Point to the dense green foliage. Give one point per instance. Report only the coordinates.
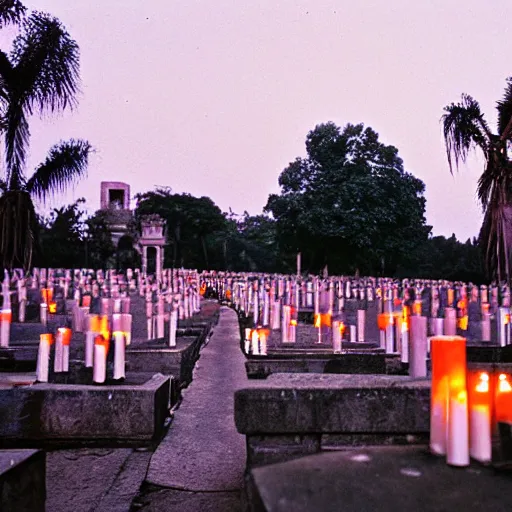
(349, 205)
(39, 75)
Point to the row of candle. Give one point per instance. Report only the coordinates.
(466, 405)
(97, 344)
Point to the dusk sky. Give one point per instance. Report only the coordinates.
(215, 98)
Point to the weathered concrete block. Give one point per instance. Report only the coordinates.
(156, 356)
(351, 363)
(377, 479)
(67, 414)
(22, 480)
(313, 403)
(291, 415)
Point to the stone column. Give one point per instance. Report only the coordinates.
(144, 260)
(158, 263)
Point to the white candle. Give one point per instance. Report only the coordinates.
(44, 313)
(390, 338)
(418, 347)
(57, 360)
(255, 349)
(43, 358)
(404, 353)
(285, 322)
(276, 315)
(99, 374)
(5, 327)
(247, 341)
(336, 336)
(480, 433)
(361, 316)
(263, 343)
(89, 348)
(119, 355)
(353, 338)
(438, 419)
(457, 443)
(173, 324)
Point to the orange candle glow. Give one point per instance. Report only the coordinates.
(384, 320)
(47, 295)
(417, 307)
(480, 410)
(65, 332)
(448, 354)
(94, 323)
(104, 326)
(503, 398)
(86, 301)
(6, 315)
(52, 307)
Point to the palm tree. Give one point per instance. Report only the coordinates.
(465, 128)
(39, 75)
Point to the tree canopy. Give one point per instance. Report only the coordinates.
(349, 204)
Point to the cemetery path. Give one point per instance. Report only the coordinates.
(202, 451)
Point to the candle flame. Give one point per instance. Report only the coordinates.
(483, 384)
(503, 384)
(293, 322)
(507, 319)
(342, 328)
(65, 333)
(317, 321)
(48, 337)
(6, 315)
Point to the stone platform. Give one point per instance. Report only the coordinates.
(260, 367)
(291, 415)
(22, 480)
(377, 479)
(131, 413)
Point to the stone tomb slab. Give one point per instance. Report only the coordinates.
(132, 413)
(377, 479)
(22, 480)
(291, 415)
(157, 356)
(350, 363)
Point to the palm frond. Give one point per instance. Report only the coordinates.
(65, 164)
(504, 107)
(11, 12)
(46, 64)
(18, 230)
(17, 135)
(464, 128)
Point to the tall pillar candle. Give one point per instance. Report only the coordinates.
(65, 334)
(417, 346)
(285, 323)
(5, 327)
(450, 322)
(361, 318)
(43, 357)
(173, 324)
(480, 446)
(119, 355)
(99, 372)
(59, 349)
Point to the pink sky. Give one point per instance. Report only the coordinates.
(216, 97)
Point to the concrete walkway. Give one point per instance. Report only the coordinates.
(202, 451)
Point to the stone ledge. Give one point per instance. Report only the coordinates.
(377, 479)
(351, 363)
(326, 403)
(46, 414)
(22, 480)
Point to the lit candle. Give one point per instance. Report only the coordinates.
(457, 449)
(503, 398)
(119, 355)
(89, 348)
(338, 329)
(247, 341)
(65, 334)
(263, 335)
(353, 337)
(5, 327)
(479, 416)
(99, 373)
(57, 360)
(438, 397)
(44, 313)
(43, 357)
(255, 342)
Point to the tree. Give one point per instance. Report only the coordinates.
(192, 225)
(62, 237)
(39, 75)
(99, 249)
(465, 128)
(349, 204)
